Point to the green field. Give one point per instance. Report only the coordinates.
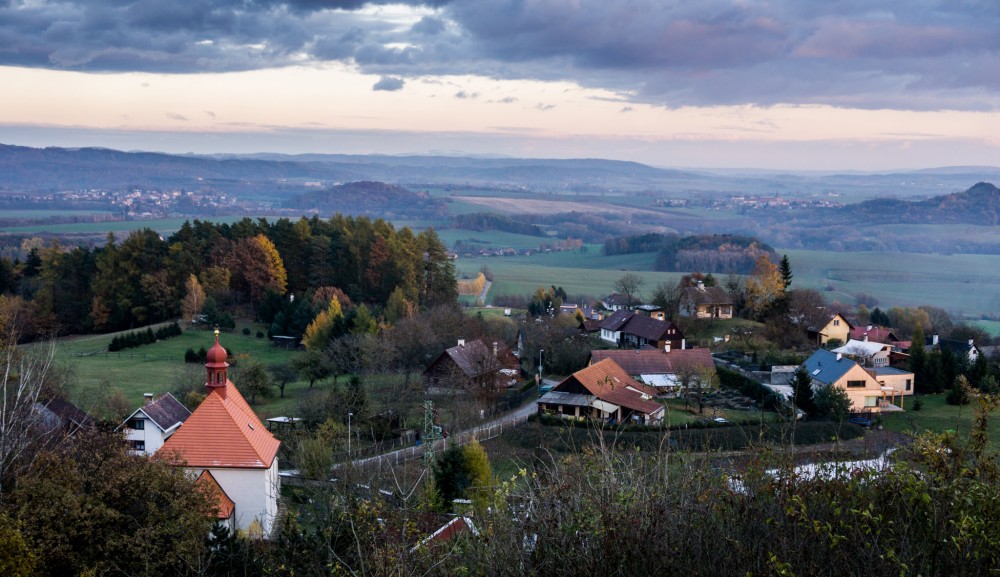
(966, 283)
(991, 327)
(578, 273)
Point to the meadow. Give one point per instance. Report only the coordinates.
(156, 368)
(965, 285)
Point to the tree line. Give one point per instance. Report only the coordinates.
(144, 277)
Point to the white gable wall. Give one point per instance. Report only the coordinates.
(254, 491)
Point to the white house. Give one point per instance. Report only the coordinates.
(224, 437)
(152, 424)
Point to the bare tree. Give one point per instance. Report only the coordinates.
(629, 285)
(695, 382)
(23, 429)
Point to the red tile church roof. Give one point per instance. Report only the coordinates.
(222, 432)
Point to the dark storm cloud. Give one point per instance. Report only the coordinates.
(918, 54)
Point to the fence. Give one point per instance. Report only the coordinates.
(481, 433)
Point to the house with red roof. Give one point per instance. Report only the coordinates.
(603, 391)
(224, 438)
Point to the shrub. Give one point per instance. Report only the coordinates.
(246, 331)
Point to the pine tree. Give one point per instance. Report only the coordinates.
(786, 272)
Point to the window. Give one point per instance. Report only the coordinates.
(137, 424)
(137, 445)
(871, 401)
(909, 383)
(855, 384)
(836, 322)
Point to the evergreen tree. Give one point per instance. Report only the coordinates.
(802, 385)
(786, 272)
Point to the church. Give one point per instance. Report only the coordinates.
(225, 439)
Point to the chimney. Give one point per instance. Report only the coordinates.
(666, 348)
(701, 285)
(970, 342)
(147, 398)
(496, 350)
(461, 342)
(866, 337)
(869, 328)
(839, 356)
(683, 344)
(934, 340)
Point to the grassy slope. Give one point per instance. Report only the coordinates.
(154, 368)
(938, 416)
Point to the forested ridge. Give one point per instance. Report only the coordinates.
(714, 253)
(142, 278)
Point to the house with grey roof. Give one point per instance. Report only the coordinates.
(863, 386)
(153, 423)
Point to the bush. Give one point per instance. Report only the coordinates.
(190, 356)
(918, 404)
(246, 331)
(260, 335)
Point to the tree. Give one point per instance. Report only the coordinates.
(477, 464)
(282, 374)
(252, 378)
(832, 403)
(802, 387)
(23, 432)
(93, 508)
(194, 298)
(321, 329)
(312, 366)
(451, 475)
(628, 286)
(668, 296)
(959, 393)
(695, 382)
(763, 287)
(786, 273)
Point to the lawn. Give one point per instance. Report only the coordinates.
(937, 416)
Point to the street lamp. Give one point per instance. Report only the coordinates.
(349, 415)
(540, 351)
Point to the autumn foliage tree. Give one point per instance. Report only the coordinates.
(763, 287)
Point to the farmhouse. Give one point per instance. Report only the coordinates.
(474, 365)
(702, 302)
(224, 438)
(602, 391)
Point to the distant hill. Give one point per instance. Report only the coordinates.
(366, 197)
(26, 169)
(979, 205)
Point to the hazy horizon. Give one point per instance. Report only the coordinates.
(876, 86)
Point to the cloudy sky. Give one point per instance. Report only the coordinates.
(790, 84)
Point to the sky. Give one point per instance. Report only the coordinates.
(783, 84)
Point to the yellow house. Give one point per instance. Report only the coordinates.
(836, 327)
(863, 386)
